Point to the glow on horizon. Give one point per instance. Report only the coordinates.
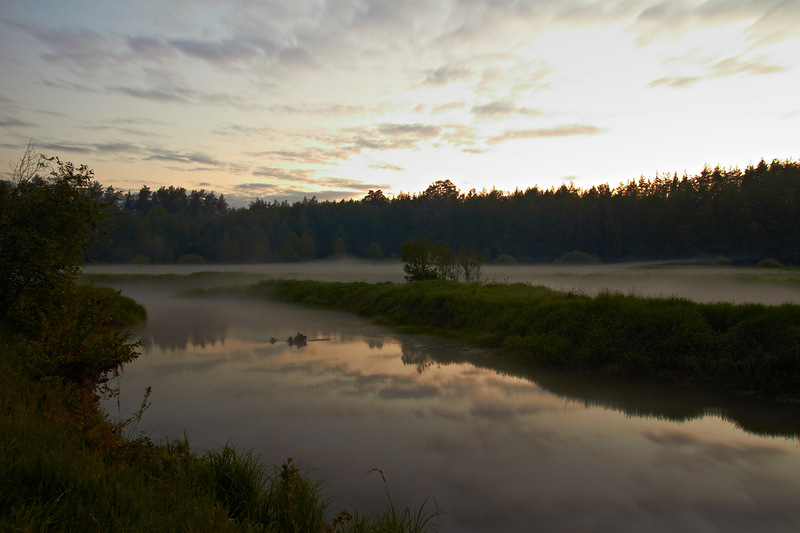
(284, 100)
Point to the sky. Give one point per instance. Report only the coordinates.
(285, 100)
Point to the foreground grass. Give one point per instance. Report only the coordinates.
(64, 466)
(749, 348)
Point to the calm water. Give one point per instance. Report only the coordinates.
(500, 447)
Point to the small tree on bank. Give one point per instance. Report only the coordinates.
(417, 257)
(424, 260)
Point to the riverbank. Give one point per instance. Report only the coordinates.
(745, 348)
(67, 466)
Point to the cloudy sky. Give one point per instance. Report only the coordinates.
(285, 99)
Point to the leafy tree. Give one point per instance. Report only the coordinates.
(441, 190)
(418, 260)
(375, 198)
(425, 260)
(374, 251)
(443, 261)
(470, 261)
(49, 212)
(47, 217)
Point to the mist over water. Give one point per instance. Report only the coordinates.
(701, 284)
(501, 446)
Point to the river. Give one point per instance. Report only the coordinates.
(501, 447)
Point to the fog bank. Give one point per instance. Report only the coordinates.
(698, 283)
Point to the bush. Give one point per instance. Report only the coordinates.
(505, 259)
(191, 259)
(769, 263)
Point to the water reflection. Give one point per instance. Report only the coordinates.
(501, 446)
(631, 397)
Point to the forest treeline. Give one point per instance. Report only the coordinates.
(742, 215)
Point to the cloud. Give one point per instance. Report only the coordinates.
(261, 187)
(558, 131)
(118, 147)
(295, 175)
(56, 147)
(770, 20)
(72, 86)
(309, 155)
(408, 391)
(446, 75)
(319, 109)
(443, 108)
(676, 81)
(224, 52)
(385, 166)
(155, 94)
(79, 49)
(419, 131)
(474, 150)
(10, 122)
(492, 109)
(355, 185)
(149, 48)
(232, 129)
(729, 66)
(502, 108)
(195, 157)
(125, 125)
(175, 93)
(247, 192)
(733, 65)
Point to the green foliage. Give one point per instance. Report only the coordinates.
(469, 262)
(63, 465)
(191, 259)
(418, 260)
(751, 347)
(505, 259)
(48, 215)
(46, 222)
(423, 260)
(742, 214)
(769, 263)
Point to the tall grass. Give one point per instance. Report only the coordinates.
(750, 348)
(64, 466)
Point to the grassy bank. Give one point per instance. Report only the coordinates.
(748, 348)
(65, 466)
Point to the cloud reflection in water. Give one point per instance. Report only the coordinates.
(500, 446)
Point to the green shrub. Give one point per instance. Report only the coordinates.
(191, 259)
(769, 263)
(505, 259)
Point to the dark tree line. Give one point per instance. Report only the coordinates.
(744, 215)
